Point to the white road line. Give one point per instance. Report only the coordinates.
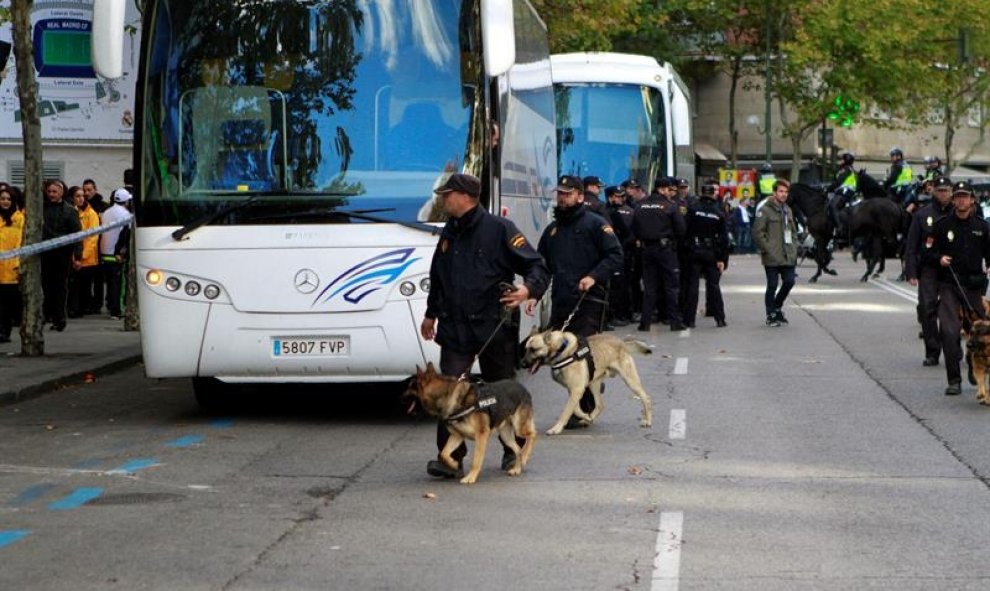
(897, 290)
(685, 333)
(680, 366)
(678, 423)
(667, 559)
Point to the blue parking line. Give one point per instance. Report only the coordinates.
(32, 494)
(186, 441)
(12, 535)
(76, 499)
(135, 465)
(222, 423)
(88, 463)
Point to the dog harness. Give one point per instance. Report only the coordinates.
(484, 403)
(583, 352)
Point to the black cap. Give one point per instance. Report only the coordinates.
(630, 183)
(942, 181)
(591, 180)
(569, 183)
(666, 181)
(683, 183)
(613, 190)
(464, 183)
(962, 187)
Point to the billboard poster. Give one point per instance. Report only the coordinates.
(74, 103)
(737, 184)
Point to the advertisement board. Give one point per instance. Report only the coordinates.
(737, 184)
(74, 103)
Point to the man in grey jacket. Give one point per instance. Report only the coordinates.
(775, 236)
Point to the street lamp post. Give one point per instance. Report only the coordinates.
(767, 123)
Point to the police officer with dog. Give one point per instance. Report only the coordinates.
(657, 226)
(922, 270)
(961, 249)
(472, 300)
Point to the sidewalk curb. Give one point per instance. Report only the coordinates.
(73, 379)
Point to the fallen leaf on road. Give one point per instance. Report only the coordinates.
(430, 496)
(635, 470)
(49, 427)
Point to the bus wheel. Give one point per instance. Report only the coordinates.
(212, 394)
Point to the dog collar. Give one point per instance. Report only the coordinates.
(563, 347)
(583, 352)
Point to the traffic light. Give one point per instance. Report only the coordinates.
(844, 110)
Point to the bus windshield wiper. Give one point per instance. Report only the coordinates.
(360, 214)
(213, 217)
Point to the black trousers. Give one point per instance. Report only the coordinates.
(928, 310)
(81, 297)
(10, 301)
(660, 266)
(113, 274)
(498, 362)
(619, 300)
(951, 302)
(773, 299)
(55, 267)
(714, 304)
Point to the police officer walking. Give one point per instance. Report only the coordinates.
(592, 195)
(657, 226)
(707, 241)
(922, 269)
(478, 253)
(962, 249)
(582, 252)
(620, 298)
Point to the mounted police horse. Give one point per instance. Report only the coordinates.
(875, 224)
(811, 203)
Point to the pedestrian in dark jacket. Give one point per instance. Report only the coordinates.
(775, 236)
(472, 296)
(60, 219)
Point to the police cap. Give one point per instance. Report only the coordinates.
(568, 183)
(463, 183)
(630, 184)
(613, 190)
(666, 181)
(962, 188)
(591, 180)
(942, 181)
(683, 183)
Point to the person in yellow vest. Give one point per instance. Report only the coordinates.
(900, 178)
(843, 188)
(11, 234)
(767, 179)
(86, 266)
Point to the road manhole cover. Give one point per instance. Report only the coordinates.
(136, 499)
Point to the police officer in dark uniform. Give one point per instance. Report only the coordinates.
(657, 226)
(684, 199)
(592, 195)
(582, 252)
(707, 244)
(620, 298)
(962, 248)
(635, 195)
(920, 268)
(477, 255)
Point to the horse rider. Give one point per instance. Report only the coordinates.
(920, 268)
(933, 168)
(900, 178)
(767, 179)
(843, 188)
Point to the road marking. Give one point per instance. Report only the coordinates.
(76, 499)
(685, 333)
(222, 423)
(32, 494)
(680, 366)
(678, 423)
(10, 536)
(186, 441)
(667, 557)
(134, 465)
(897, 290)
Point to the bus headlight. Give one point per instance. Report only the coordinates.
(173, 284)
(154, 277)
(192, 288)
(407, 288)
(424, 284)
(211, 292)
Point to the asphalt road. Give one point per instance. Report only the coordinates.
(819, 455)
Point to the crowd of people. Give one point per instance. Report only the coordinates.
(77, 279)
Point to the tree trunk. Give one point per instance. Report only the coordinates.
(733, 132)
(950, 132)
(32, 325)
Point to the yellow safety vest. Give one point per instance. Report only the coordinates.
(850, 182)
(906, 177)
(766, 183)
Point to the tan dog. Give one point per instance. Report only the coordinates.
(609, 355)
(977, 339)
(474, 412)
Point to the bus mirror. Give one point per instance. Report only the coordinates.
(108, 38)
(499, 37)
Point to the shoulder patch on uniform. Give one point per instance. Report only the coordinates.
(608, 229)
(518, 241)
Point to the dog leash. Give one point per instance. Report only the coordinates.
(477, 356)
(574, 311)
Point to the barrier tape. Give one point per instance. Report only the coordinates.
(53, 243)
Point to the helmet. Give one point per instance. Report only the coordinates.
(928, 159)
(848, 158)
(767, 167)
(895, 151)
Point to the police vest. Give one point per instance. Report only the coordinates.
(906, 177)
(851, 182)
(766, 183)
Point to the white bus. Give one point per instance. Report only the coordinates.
(287, 153)
(622, 116)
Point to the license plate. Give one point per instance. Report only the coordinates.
(336, 346)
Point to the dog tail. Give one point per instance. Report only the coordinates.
(636, 346)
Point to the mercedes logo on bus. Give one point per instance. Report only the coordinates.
(306, 281)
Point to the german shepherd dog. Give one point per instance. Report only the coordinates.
(977, 335)
(474, 412)
(608, 355)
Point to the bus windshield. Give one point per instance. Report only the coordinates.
(303, 104)
(613, 131)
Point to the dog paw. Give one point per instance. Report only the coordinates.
(555, 430)
(515, 471)
(645, 423)
(469, 479)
